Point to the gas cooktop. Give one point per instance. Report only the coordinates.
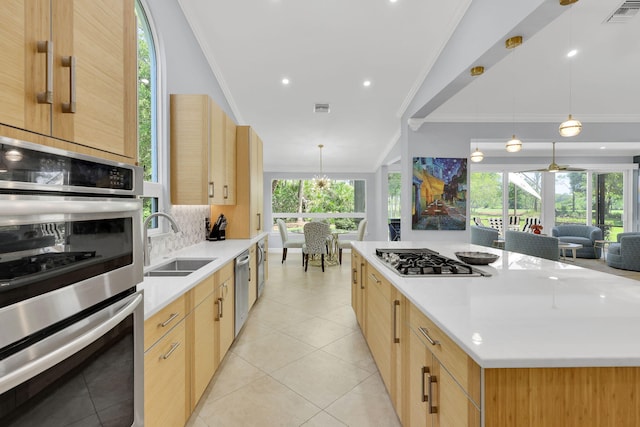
(426, 262)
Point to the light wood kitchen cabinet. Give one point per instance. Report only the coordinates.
(225, 309)
(358, 272)
(203, 359)
(253, 275)
(246, 219)
(203, 152)
(165, 380)
(443, 383)
(69, 72)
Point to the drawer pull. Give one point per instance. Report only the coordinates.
(373, 276)
(220, 309)
(173, 348)
(424, 332)
(46, 97)
(169, 320)
(396, 339)
(431, 379)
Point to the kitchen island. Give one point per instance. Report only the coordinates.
(542, 343)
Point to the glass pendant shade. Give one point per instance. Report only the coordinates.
(321, 181)
(570, 127)
(477, 156)
(514, 145)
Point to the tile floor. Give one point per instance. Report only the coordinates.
(300, 359)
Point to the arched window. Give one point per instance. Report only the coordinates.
(148, 142)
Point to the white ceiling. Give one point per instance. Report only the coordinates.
(328, 48)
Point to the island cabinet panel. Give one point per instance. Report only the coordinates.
(563, 397)
(225, 309)
(203, 359)
(69, 73)
(435, 396)
(358, 287)
(203, 152)
(165, 380)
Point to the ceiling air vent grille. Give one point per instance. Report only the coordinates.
(321, 108)
(625, 12)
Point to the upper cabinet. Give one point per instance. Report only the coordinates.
(246, 219)
(69, 71)
(203, 152)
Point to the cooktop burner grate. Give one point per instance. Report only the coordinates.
(425, 262)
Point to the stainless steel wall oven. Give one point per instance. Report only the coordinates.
(71, 345)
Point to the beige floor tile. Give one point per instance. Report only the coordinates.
(263, 403)
(276, 314)
(323, 420)
(353, 349)
(232, 375)
(320, 377)
(367, 405)
(196, 421)
(272, 351)
(253, 329)
(343, 315)
(317, 332)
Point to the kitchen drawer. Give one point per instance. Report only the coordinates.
(203, 290)
(463, 369)
(225, 273)
(162, 322)
(375, 280)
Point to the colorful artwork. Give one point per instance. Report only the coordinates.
(439, 193)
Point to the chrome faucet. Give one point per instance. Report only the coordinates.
(146, 241)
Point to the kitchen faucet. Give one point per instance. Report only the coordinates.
(146, 241)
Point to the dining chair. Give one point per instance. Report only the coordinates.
(315, 242)
(288, 242)
(342, 244)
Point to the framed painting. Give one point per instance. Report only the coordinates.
(439, 190)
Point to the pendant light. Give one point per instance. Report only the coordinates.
(477, 156)
(570, 127)
(514, 144)
(321, 181)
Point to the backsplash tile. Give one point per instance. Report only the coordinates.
(190, 219)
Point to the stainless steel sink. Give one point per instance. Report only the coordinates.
(179, 267)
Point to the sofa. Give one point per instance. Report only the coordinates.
(585, 235)
(625, 254)
(484, 236)
(532, 244)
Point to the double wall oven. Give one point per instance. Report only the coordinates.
(71, 339)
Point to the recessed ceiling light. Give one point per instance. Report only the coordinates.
(603, 148)
(572, 53)
(285, 81)
(393, 1)
(366, 83)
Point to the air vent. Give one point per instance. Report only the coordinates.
(321, 108)
(625, 12)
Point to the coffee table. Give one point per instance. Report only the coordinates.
(573, 247)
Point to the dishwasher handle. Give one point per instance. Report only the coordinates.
(242, 261)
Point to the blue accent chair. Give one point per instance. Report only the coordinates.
(484, 236)
(532, 244)
(625, 254)
(585, 235)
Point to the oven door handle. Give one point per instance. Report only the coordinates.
(66, 349)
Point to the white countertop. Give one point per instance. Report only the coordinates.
(160, 291)
(531, 312)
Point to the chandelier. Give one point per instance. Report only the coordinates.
(321, 181)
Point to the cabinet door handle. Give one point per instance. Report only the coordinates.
(225, 191)
(220, 310)
(354, 276)
(396, 303)
(259, 221)
(424, 332)
(173, 348)
(211, 189)
(361, 278)
(46, 97)
(171, 318)
(70, 62)
(424, 371)
(431, 379)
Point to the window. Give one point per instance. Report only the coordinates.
(147, 118)
(342, 203)
(571, 197)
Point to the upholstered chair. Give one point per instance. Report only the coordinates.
(585, 235)
(342, 244)
(484, 236)
(293, 242)
(315, 241)
(625, 254)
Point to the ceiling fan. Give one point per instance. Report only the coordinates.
(554, 167)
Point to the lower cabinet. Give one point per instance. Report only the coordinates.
(358, 280)
(184, 345)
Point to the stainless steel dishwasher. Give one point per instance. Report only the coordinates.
(242, 289)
